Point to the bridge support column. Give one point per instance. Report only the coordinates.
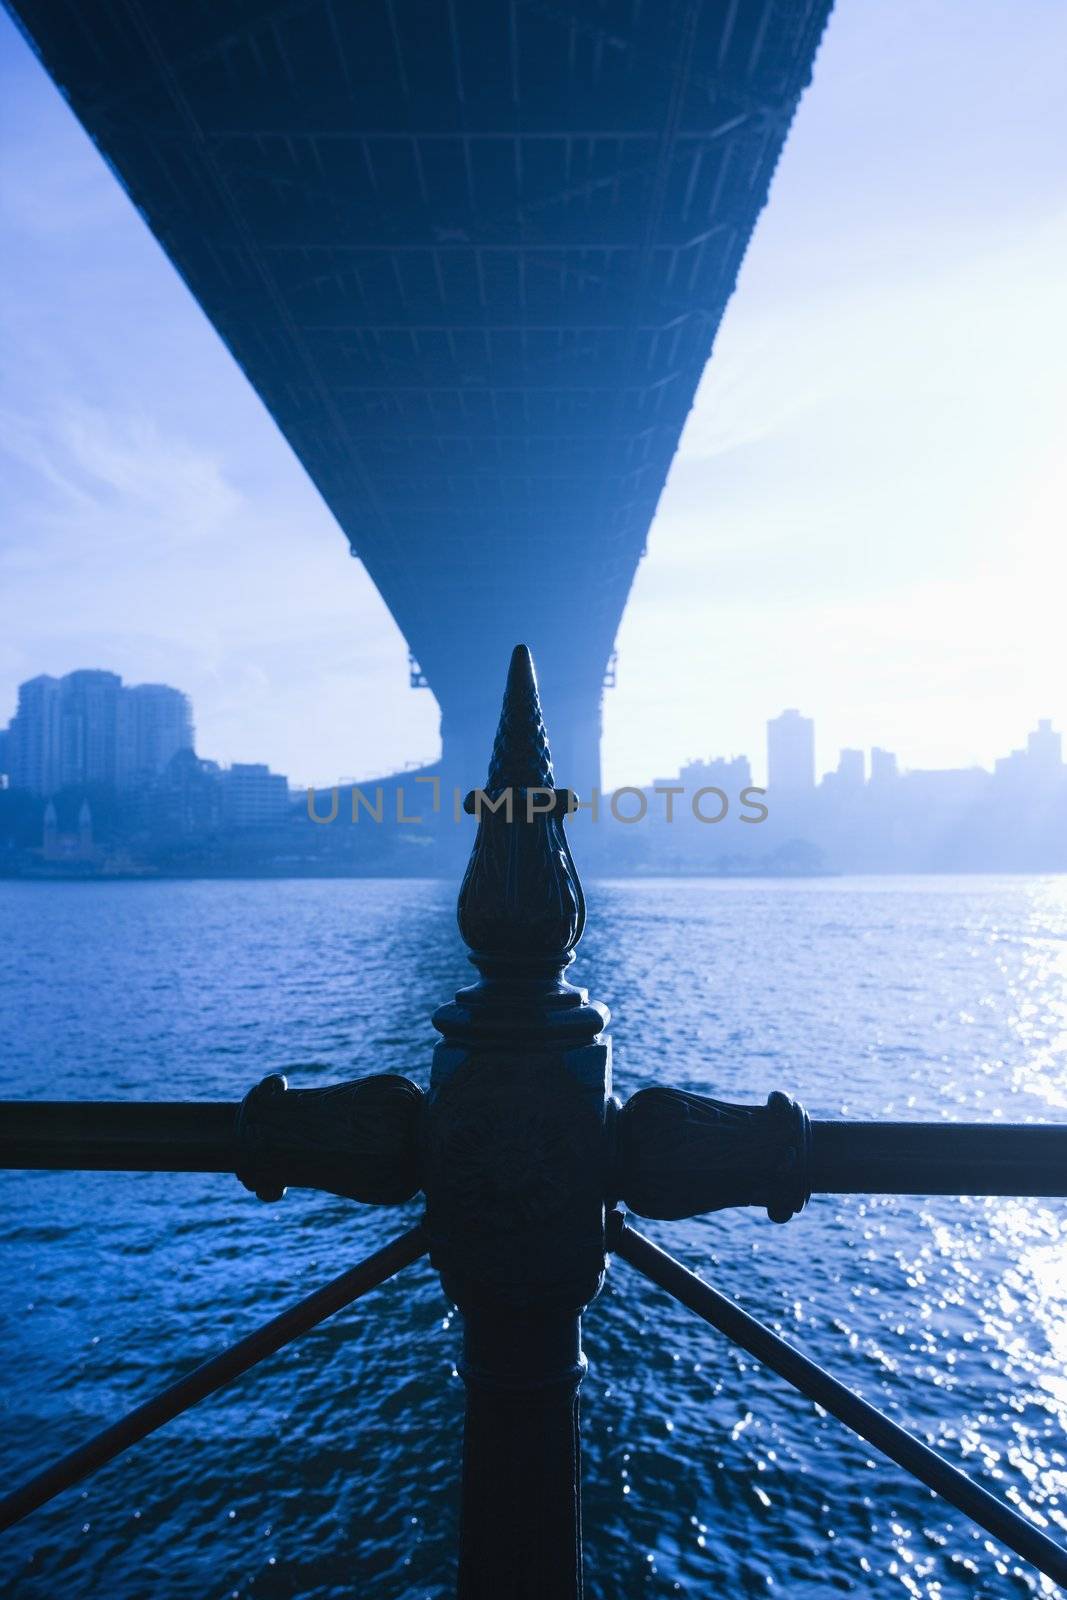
(467, 732)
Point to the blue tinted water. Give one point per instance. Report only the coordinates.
(332, 1468)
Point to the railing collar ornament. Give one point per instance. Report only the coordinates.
(680, 1154)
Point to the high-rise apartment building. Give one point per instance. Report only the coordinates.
(851, 771)
(34, 737)
(155, 722)
(790, 754)
(1044, 748)
(883, 765)
(88, 728)
(1041, 760)
(88, 722)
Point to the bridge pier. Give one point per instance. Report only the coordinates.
(468, 725)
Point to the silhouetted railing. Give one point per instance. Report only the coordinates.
(521, 1152)
(979, 1158)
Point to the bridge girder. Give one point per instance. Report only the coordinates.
(472, 254)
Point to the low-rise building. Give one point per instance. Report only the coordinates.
(253, 796)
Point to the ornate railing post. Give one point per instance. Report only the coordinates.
(516, 1155)
(514, 1171)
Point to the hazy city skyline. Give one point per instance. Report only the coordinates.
(89, 727)
(104, 780)
(864, 518)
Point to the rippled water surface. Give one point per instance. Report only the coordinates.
(332, 1468)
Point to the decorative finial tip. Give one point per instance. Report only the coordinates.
(521, 670)
(521, 757)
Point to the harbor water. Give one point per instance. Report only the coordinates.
(332, 1469)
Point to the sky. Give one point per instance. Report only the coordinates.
(866, 518)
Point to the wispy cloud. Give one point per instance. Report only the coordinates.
(116, 478)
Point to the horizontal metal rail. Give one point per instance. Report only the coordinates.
(212, 1375)
(1010, 1158)
(951, 1158)
(119, 1135)
(1006, 1525)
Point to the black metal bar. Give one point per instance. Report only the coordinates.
(1006, 1525)
(938, 1158)
(119, 1136)
(213, 1375)
(845, 1157)
(679, 1154)
(521, 1528)
(359, 1139)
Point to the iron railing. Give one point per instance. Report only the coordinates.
(523, 1157)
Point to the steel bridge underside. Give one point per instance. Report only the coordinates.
(472, 255)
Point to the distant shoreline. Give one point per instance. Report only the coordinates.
(598, 874)
(384, 876)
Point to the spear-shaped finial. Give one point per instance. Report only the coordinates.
(521, 758)
(521, 901)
